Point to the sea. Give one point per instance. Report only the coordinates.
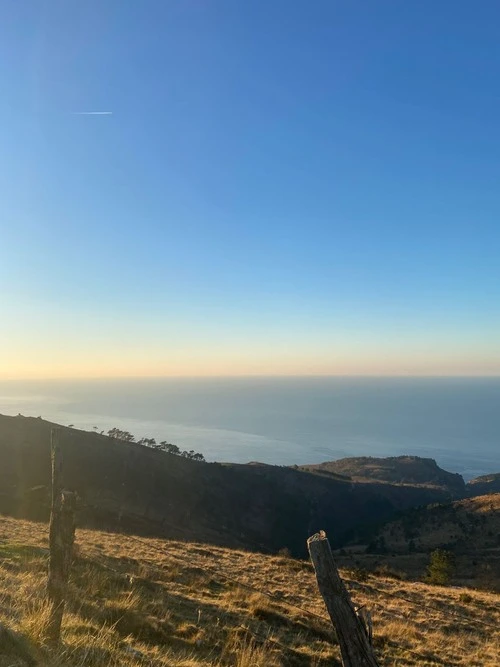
(287, 420)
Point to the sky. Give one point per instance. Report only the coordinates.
(279, 187)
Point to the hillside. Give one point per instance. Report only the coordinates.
(484, 484)
(140, 489)
(404, 470)
(138, 601)
(469, 528)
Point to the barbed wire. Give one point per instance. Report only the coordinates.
(354, 584)
(217, 574)
(236, 581)
(212, 571)
(462, 618)
(427, 606)
(258, 635)
(254, 633)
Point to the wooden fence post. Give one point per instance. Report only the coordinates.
(61, 538)
(352, 634)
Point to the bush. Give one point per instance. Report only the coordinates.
(440, 567)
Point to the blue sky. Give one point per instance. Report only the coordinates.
(281, 187)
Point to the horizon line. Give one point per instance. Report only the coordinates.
(282, 376)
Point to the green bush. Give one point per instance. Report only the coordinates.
(440, 567)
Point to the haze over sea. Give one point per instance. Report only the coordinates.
(285, 420)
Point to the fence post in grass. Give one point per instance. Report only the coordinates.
(355, 644)
(61, 538)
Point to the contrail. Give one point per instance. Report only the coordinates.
(93, 113)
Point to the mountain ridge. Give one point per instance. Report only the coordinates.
(156, 493)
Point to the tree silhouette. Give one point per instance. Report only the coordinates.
(162, 446)
(118, 434)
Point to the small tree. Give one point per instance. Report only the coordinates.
(440, 567)
(191, 454)
(169, 447)
(147, 442)
(118, 434)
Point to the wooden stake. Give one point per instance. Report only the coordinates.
(61, 538)
(355, 646)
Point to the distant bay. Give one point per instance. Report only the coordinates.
(285, 420)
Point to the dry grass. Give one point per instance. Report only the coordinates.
(157, 603)
(472, 519)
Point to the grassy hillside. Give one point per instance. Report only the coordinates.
(484, 484)
(148, 491)
(404, 470)
(138, 602)
(469, 528)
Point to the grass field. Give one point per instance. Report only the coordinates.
(153, 602)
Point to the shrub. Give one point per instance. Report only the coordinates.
(440, 567)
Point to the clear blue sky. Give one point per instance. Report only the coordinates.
(281, 187)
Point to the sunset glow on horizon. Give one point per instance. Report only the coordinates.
(361, 359)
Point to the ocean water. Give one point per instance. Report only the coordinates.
(285, 420)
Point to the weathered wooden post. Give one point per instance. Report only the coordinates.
(61, 538)
(352, 634)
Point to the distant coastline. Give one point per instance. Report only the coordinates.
(286, 421)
